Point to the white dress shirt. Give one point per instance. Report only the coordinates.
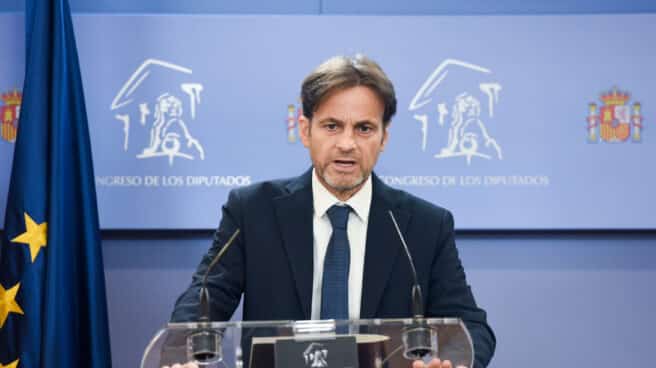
(357, 236)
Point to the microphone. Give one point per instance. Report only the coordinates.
(417, 299)
(418, 337)
(204, 345)
(204, 302)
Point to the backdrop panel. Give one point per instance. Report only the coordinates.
(512, 122)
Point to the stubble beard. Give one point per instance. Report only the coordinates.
(345, 190)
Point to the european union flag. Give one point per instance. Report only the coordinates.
(53, 310)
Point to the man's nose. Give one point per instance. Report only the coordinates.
(346, 140)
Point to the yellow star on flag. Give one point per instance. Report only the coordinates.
(35, 235)
(13, 364)
(8, 304)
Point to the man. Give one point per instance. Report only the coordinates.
(323, 245)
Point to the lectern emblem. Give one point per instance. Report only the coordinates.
(316, 356)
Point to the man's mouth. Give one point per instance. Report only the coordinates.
(344, 164)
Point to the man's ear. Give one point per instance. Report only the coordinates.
(385, 138)
(304, 130)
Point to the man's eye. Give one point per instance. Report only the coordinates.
(331, 126)
(365, 129)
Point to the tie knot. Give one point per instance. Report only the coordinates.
(338, 216)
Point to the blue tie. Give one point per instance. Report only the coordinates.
(334, 289)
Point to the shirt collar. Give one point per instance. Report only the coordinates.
(360, 202)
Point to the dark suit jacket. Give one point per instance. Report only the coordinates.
(272, 260)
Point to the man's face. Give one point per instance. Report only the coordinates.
(345, 137)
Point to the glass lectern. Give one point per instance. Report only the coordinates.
(371, 343)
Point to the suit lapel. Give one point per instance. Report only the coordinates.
(383, 246)
(294, 213)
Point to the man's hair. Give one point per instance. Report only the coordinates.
(341, 72)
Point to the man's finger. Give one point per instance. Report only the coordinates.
(447, 364)
(435, 363)
(417, 364)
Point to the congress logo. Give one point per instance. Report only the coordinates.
(10, 112)
(463, 96)
(616, 120)
(158, 104)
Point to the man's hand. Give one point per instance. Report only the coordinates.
(186, 365)
(435, 363)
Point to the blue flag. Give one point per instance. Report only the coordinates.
(53, 310)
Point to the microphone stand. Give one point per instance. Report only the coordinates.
(204, 344)
(418, 337)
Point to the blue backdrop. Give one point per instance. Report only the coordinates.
(512, 122)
